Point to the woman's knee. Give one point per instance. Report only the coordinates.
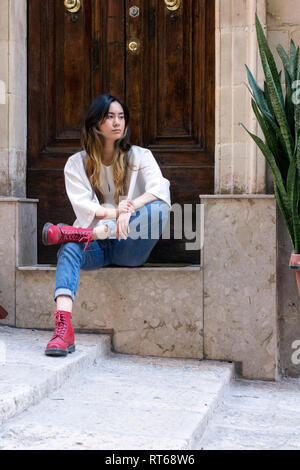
(70, 250)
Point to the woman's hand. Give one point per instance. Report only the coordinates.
(126, 206)
(122, 225)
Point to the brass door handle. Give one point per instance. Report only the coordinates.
(72, 6)
(173, 4)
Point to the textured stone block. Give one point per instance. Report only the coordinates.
(152, 311)
(4, 20)
(17, 245)
(8, 260)
(282, 12)
(239, 256)
(27, 234)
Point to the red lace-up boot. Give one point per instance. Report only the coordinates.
(54, 234)
(62, 341)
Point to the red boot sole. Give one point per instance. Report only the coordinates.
(45, 233)
(60, 352)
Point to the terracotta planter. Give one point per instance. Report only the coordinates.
(295, 264)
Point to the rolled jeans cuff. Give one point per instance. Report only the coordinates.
(63, 291)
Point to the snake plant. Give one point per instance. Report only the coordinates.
(277, 110)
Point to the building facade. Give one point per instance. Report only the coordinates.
(240, 304)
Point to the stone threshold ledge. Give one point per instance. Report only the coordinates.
(52, 267)
(17, 199)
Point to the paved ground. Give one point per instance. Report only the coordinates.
(103, 400)
(97, 399)
(256, 415)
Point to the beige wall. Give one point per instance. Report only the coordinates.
(283, 20)
(13, 83)
(239, 166)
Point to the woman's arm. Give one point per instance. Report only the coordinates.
(143, 199)
(156, 187)
(122, 229)
(125, 206)
(106, 213)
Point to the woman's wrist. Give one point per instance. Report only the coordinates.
(106, 213)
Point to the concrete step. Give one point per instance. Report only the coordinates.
(27, 375)
(119, 402)
(256, 415)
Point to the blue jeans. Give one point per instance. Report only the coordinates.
(149, 221)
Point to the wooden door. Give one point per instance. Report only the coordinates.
(159, 61)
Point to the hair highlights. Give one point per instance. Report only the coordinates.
(92, 142)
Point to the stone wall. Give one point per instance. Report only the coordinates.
(13, 97)
(239, 166)
(239, 278)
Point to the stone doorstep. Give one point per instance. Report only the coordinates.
(27, 375)
(148, 266)
(152, 311)
(173, 414)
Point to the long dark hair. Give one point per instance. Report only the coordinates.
(92, 142)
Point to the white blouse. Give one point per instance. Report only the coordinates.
(84, 201)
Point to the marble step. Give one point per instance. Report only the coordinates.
(256, 415)
(27, 375)
(119, 402)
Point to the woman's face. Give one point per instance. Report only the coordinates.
(113, 126)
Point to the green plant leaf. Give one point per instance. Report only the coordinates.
(270, 137)
(266, 54)
(293, 199)
(289, 105)
(297, 154)
(268, 100)
(279, 110)
(285, 213)
(296, 64)
(293, 58)
(285, 60)
(271, 161)
(296, 102)
(257, 92)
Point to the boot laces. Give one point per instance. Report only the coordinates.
(61, 325)
(87, 239)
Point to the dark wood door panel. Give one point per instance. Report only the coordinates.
(168, 84)
(67, 69)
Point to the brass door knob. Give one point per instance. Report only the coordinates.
(72, 6)
(173, 4)
(133, 46)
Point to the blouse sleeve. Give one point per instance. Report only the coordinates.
(153, 179)
(80, 194)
